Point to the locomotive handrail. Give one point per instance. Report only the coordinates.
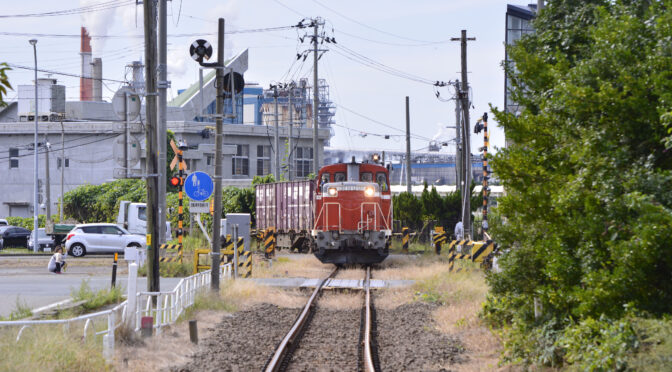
(375, 215)
(326, 217)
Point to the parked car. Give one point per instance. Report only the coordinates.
(44, 240)
(100, 237)
(3, 222)
(13, 236)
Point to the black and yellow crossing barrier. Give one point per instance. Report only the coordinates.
(171, 247)
(439, 238)
(270, 241)
(478, 252)
(405, 236)
(245, 264)
(197, 264)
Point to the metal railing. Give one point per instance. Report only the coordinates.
(169, 306)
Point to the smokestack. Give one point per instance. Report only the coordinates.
(97, 79)
(85, 82)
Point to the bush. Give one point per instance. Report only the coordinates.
(96, 300)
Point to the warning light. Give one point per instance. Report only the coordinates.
(175, 181)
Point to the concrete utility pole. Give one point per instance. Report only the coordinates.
(219, 123)
(47, 183)
(162, 126)
(316, 100)
(290, 106)
(36, 198)
(60, 216)
(152, 159)
(466, 142)
(408, 147)
(276, 169)
(458, 139)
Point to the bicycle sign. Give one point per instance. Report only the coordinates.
(198, 186)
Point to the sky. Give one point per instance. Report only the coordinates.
(408, 36)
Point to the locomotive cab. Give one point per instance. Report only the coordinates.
(353, 214)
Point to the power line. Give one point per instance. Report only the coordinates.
(375, 29)
(380, 123)
(63, 148)
(77, 36)
(60, 73)
(81, 10)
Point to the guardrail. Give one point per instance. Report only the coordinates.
(169, 306)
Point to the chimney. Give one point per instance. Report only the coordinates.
(85, 82)
(97, 79)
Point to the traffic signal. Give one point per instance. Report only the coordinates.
(175, 181)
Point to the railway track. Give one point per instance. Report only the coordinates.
(367, 356)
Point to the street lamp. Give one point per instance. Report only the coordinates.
(36, 246)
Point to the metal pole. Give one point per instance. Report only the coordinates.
(33, 42)
(277, 136)
(162, 124)
(60, 217)
(408, 147)
(289, 140)
(216, 220)
(126, 134)
(152, 161)
(316, 101)
(47, 183)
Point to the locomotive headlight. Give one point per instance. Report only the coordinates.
(332, 191)
(369, 191)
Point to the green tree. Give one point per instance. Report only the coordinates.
(586, 221)
(4, 83)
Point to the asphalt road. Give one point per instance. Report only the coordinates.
(27, 280)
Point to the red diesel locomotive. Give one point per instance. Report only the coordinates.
(353, 214)
(344, 216)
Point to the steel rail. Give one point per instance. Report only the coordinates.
(276, 362)
(368, 357)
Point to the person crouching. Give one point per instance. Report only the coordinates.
(56, 263)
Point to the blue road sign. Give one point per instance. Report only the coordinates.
(198, 186)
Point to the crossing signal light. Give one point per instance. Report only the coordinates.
(175, 181)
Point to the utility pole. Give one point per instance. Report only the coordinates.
(152, 162)
(47, 184)
(289, 140)
(466, 146)
(316, 100)
(277, 136)
(458, 139)
(219, 123)
(60, 216)
(162, 125)
(36, 199)
(408, 147)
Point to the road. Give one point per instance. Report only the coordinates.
(27, 280)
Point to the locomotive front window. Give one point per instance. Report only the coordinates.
(366, 177)
(325, 178)
(339, 177)
(381, 179)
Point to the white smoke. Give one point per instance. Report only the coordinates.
(97, 23)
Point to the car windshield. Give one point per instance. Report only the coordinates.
(142, 213)
(3, 228)
(41, 233)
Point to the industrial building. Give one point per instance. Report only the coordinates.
(84, 140)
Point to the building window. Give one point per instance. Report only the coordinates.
(304, 161)
(59, 162)
(263, 160)
(13, 157)
(209, 159)
(240, 163)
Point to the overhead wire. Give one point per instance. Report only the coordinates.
(106, 5)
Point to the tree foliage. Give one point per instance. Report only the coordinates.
(4, 83)
(587, 222)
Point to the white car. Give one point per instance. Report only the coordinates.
(101, 238)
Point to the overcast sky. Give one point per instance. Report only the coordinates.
(409, 36)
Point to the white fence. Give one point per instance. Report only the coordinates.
(169, 306)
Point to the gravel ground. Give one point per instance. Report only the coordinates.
(407, 340)
(330, 343)
(243, 342)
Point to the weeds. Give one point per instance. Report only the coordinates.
(95, 300)
(21, 311)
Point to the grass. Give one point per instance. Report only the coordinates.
(50, 348)
(21, 311)
(96, 300)
(17, 250)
